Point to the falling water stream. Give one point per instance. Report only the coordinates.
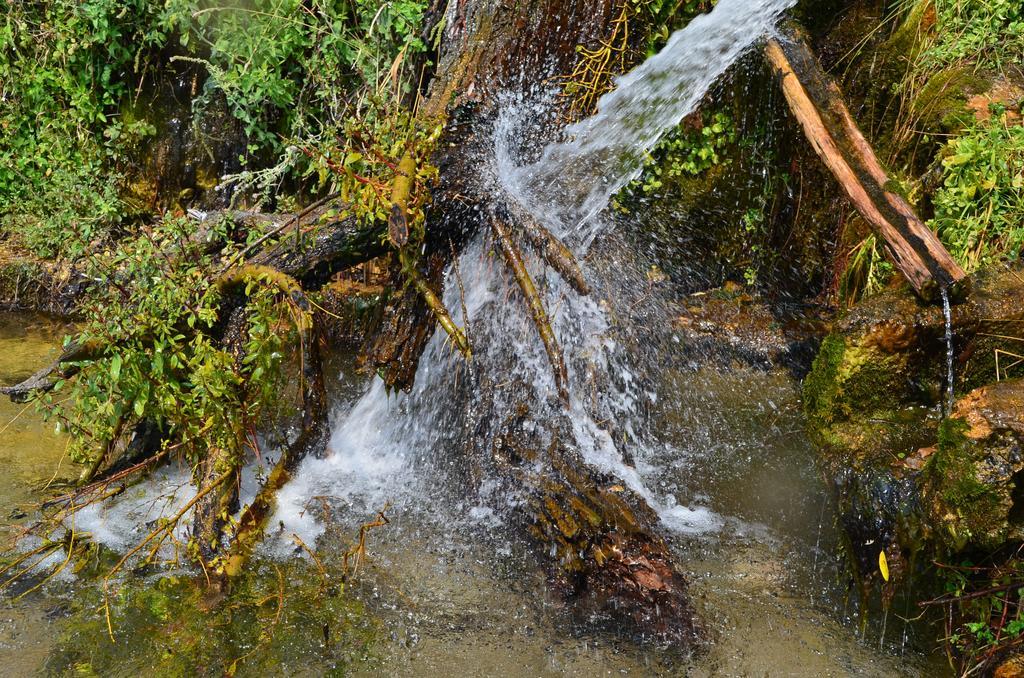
(567, 188)
(574, 179)
(719, 454)
(947, 314)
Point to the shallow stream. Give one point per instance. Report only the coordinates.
(453, 591)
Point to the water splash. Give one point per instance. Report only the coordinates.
(389, 449)
(947, 314)
(574, 180)
(405, 449)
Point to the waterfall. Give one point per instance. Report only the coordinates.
(574, 179)
(384, 447)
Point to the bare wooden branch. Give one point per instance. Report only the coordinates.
(818, 104)
(555, 254)
(436, 306)
(536, 305)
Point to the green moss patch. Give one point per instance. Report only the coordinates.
(966, 510)
(281, 620)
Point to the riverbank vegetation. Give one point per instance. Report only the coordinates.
(952, 82)
(83, 96)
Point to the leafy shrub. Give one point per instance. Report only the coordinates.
(64, 66)
(73, 206)
(979, 211)
(989, 33)
(158, 291)
(287, 68)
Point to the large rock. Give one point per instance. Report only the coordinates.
(905, 478)
(973, 485)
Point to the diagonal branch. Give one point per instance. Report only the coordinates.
(536, 306)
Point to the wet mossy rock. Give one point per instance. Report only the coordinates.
(903, 476)
(888, 353)
(973, 485)
(878, 361)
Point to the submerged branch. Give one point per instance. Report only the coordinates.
(45, 380)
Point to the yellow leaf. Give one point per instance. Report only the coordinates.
(883, 565)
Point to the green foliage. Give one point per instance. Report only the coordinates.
(666, 16)
(64, 67)
(686, 152)
(867, 271)
(364, 166)
(73, 206)
(156, 294)
(287, 67)
(989, 33)
(71, 69)
(985, 615)
(979, 211)
(753, 227)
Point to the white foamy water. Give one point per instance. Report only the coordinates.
(397, 449)
(384, 450)
(574, 180)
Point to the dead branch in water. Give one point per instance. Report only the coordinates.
(437, 307)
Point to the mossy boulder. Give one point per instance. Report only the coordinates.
(974, 482)
(941, 105)
(879, 361)
(888, 354)
(904, 477)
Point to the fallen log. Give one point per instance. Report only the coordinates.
(817, 104)
(601, 553)
(334, 245)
